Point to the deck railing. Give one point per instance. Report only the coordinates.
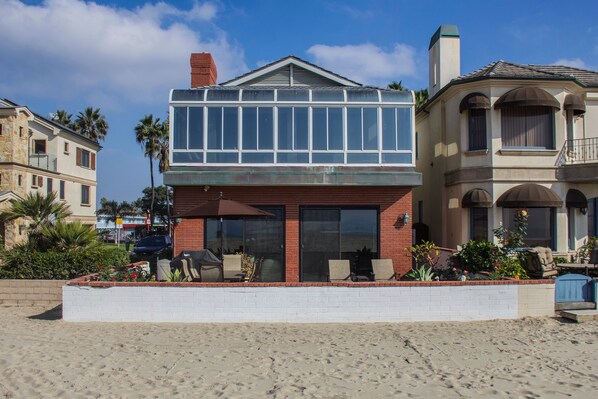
(578, 151)
(43, 161)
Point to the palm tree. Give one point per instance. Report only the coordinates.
(92, 124)
(163, 151)
(397, 85)
(113, 210)
(147, 133)
(64, 118)
(421, 96)
(66, 236)
(41, 211)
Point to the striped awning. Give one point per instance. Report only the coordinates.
(474, 101)
(477, 198)
(529, 195)
(575, 103)
(527, 97)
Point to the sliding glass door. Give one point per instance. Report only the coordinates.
(337, 233)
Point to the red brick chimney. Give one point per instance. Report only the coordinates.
(203, 70)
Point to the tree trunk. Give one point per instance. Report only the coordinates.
(153, 193)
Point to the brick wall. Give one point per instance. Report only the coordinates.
(203, 70)
(392, 202)
(31, 292)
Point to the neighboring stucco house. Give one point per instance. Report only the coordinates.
(37, 154)
(332, 159)
(506, 137)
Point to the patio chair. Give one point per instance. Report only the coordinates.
(211, 274)
(384, 270)
(232, 267)
(340, 271)
(539, 263)
(189, 271)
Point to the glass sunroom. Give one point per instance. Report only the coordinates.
(291, 126)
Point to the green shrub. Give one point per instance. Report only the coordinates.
(479, 256)
(509, 267)
(59, 265)
(421, 274)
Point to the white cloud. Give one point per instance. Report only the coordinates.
(71, 49)
(572, 62)
(367, 63)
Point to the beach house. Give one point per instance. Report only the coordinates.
(506, 137)
(332, 159)
(39, 155)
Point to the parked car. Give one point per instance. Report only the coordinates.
(152, 248)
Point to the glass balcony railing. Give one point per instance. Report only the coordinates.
(43, 161)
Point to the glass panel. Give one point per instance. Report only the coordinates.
(258, 95)
(370, 128)
(227, 234)
(362, 96)
(320, 242)
(396, 96)
(187, 95)
(327, 158)
(293, 95)
(389, 129)
(264, 240)
(477, 129)
(223, 95)
(301, 129)
(250, 128)
(404, 126)
(222, 157)
(215, 128)
(359, 238)
(266, 128)
(292, 157)
(285, 128)
(195, 128)
(362, 158)
(335, 128)
(180, 128)
(403, 158)
(540, 225)
(231, 127)
(479, 224)
(187, 157)
(319, 129)
(327, 95)
(257, 157)
(354, 128)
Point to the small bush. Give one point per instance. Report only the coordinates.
(59, 265)
(479, 256)
(510, 267)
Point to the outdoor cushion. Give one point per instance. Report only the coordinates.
(383, 269)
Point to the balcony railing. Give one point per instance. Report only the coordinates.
(43, 161)
(578, 151)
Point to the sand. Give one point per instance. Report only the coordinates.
(43, 356)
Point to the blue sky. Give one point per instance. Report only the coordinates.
(124, 56)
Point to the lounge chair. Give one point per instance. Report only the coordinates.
(232, 267)
(211, 273)
(384, 270)
(539, 263)
(340, 271)
(189, 271)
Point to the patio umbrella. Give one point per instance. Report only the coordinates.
(223, 208)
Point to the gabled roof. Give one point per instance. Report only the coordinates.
(9, 195)
(288, 60)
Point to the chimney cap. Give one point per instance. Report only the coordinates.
(444, 31)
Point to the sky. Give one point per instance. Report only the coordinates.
(124, 56)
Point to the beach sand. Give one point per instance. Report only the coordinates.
(43, 356)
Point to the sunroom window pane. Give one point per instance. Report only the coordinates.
(187, 95)
(354, 128)
(214, 128)
(327, 95)
(222, 157)
(180, 128)
(362, 158)
(389, 129)
(301, 128)
(223, 95)
(258, 95)
(362, 95)
(290, 157)
(396, 158)
(396, 96)
(335, 128)
(195, 128)
(327, 157)
(231, 127)
(285, 128)
(250, 128)
(258, 157)
(319, 128)
(187, 157)
(370, 128)
(404, 125)
(266, 128)
(293, 95)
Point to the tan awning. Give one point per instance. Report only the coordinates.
(527, 97)
(575, 103)
(576, 199)
(474, 101)
(477, 198)
(529, 195)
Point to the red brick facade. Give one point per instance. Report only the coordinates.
(203, 70)
(393, 202)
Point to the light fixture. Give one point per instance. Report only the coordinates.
(206, 188)
(178, 220)
(405, 218)
(583, 210)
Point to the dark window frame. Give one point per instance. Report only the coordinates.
(549, 136)
(85, 195)
(478, 139)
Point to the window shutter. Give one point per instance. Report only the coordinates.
(79, 156)
(40, 181)
(93, 161)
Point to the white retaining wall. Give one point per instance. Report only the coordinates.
(328, 304)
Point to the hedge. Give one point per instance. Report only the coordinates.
(64, 265)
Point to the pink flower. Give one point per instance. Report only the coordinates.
(100, 267)
(454, 269)
(112, 279)
(465, 272)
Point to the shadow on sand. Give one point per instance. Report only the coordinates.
(51, 314)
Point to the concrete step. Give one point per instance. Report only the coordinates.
(580, 315)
